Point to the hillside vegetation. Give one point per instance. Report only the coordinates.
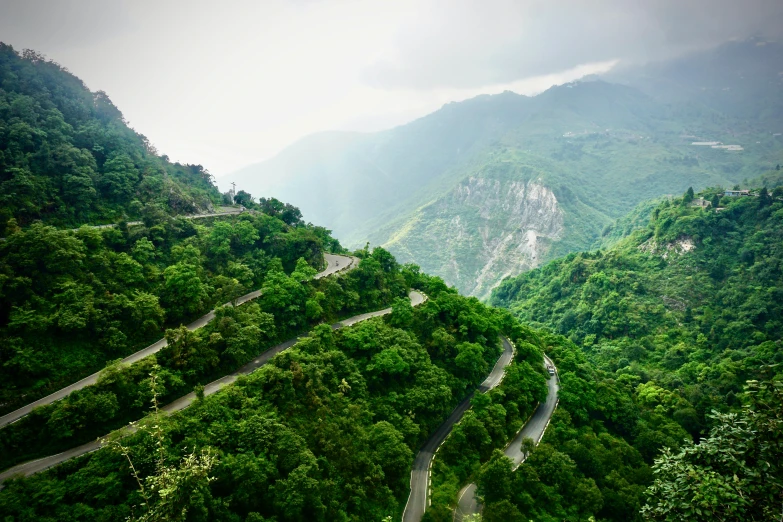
(326, 431)
(682, 320)
(71, 301)
(495, 185)
(67, 156)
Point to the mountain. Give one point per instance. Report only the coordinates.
(742, 79)
(496, 185)
(307, 397)
(67, 156)
(678, 332)
(95, 316)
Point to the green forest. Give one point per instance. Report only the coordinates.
(67, 156)
(326, 431)
(672, 404)
(666, 338)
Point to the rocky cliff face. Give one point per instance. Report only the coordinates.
(482, 231)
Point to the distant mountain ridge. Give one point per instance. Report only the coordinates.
(599, 147)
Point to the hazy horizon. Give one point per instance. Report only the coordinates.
(233, 85)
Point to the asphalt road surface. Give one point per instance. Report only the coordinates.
(226, 211)
(418, 500)
(29, 468)
(334, 263)
(534, 428)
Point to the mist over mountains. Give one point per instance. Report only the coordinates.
(595, 148)
(555, 307)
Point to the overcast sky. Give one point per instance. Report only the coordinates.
(227, 83)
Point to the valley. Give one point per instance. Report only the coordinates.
(557, 307)
(599, 147)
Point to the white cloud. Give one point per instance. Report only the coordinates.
(226, 84)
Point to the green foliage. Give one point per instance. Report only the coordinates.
(690, 303)
(582, 468)
(170, 493)
(235, 336)
(494, 418)
(68, 157)
(72, 300)
(325, 431)
(673, 320)
(733, 474)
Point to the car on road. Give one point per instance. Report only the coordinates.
(550, 369)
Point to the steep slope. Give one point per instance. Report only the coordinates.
(364, 176)
(73, 300)
(695, 289)
(600, 148)
(481, 229)
(67, 156)
(680, 337)
(325, 430)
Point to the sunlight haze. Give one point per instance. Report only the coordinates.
(229, 84)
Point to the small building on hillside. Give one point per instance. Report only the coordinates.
(736, 193)
(700, 202)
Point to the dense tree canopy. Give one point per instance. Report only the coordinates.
(68, 157)
(70, 301)
(326, 431)
(673, 321)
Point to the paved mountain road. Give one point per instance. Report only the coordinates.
(420, 473)
(227, 211)
(534, 428)
(334, 263)
(29, 468)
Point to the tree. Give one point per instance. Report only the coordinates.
(286, 297)
(402, 313)
(243, 198)
(495, 478)
(527, 447)
(119, 178)
(143, 250)
(288, 213)
(764, 197)
(470, 360)
(184, 292)
(170, 493)
(734, 474)
(503, 511)
(146, 312)
(688, 195)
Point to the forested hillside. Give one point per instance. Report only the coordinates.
(667, 339)
(67, 156)
(71, 301)
(326, 431)
(675, 319)
(496, 185)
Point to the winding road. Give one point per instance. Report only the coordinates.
(226, 211)
(422, 465)
(534, 428)
(334, 263)
(35, 466)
